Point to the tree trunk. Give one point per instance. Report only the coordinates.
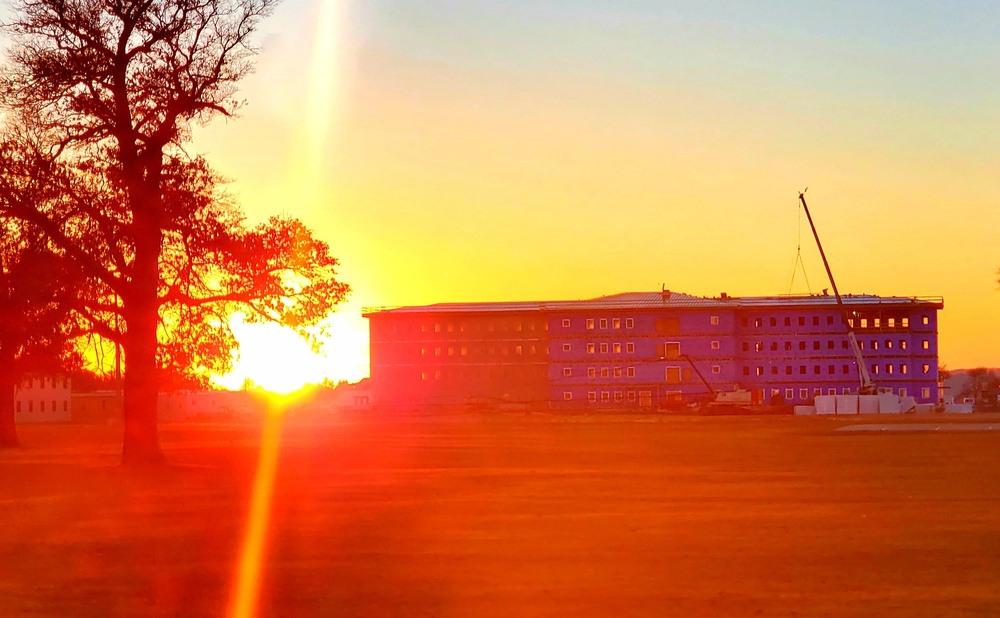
(141, 441)
(8, 429)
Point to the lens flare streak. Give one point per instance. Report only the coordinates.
(325, 77)
(246, 592)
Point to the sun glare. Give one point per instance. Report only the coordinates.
(273, 357)
(276, 359)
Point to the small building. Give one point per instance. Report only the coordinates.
(348, 396)
(97, 407)
(43, 399)
(651, 349)
(104, 407)
(208, 405)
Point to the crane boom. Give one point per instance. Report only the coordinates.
(867, 385)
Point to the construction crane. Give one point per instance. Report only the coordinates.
(867, 385)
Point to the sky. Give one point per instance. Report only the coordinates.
(525, 150)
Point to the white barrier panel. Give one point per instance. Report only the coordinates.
(847, 404)
(924, 408)
(958, 408)
(908, 404)
(826, 404)
(868, 404)
(804, 410)
(888, 403)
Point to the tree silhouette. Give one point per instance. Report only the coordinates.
(981, 385)
(36, 291)
(105, 93)
(943, 373)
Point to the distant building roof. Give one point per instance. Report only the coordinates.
(662, 300)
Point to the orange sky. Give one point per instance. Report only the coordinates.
(454, 151)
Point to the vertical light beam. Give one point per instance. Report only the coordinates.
(246, 592)
(325, 81)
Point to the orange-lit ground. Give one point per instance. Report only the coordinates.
(511, 515)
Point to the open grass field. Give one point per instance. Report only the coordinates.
(512, 515)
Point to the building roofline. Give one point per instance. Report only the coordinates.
(653, 301)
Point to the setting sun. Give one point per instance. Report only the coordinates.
(276, 359)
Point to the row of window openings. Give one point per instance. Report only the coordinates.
(862, 323)
(620, 396)
(539, 372)
(673, 373)
(758, 346)
(603, 323)
(492, 351)
(41, 406)
(41, 382)
(614, 348)
(671, 349)
(591, 324)
(605, 372)
(832, 369)
(503, 326)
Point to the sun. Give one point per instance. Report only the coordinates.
(274, 358)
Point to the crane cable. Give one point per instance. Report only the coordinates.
(798, 259)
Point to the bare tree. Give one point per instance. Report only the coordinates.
(982, 385)
(108, 91)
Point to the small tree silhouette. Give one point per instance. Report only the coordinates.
(36, 290)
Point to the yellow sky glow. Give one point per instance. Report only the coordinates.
(517, 152)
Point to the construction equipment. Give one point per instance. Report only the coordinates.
(735, 397)
(867, 386)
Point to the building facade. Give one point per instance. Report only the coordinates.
(651, 349)
(43, 399)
